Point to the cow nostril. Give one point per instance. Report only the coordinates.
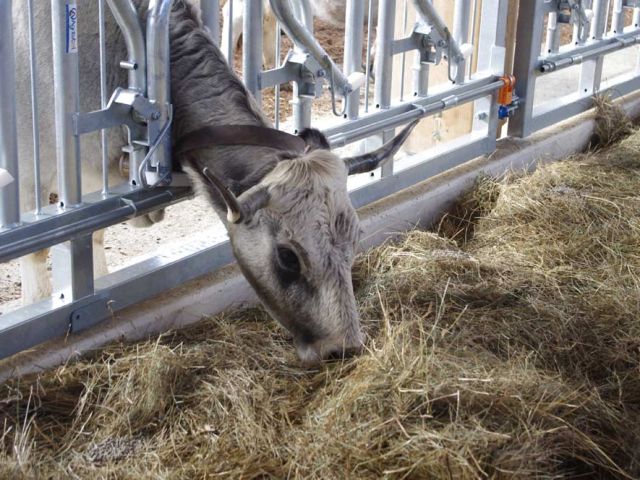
(343, 354)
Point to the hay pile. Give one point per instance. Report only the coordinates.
(506, 346)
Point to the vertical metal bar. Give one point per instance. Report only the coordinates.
(301, 103)
(528, 36)
(591, 70)
(461, 33)
(126, 16)
(34, 112)
(64, 16)
(158, 89)
(617, 17)
(553, 34)
(9, 194)
(72, 261)
(635, 22)
(354, 23)
(276, 107)
(252, 47)
(367, 83)
(230, 46)
(404, 54)
(211, 18)
(103, 97)
(384, 65)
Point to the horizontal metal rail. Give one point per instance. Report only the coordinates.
(95, 213)
(578, 55)
(399, 114)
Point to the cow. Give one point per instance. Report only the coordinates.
(290, 221)
(329, 11)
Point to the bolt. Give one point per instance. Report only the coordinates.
(155, 116)
(321, 73)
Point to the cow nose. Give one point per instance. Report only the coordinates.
(314, 353)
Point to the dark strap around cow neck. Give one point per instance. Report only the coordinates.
(207, 137)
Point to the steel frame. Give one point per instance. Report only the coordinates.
(585, 50)
(81, 302)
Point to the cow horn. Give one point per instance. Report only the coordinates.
(234, 211)
(372, 160)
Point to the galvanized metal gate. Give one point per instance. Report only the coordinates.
(474, 50)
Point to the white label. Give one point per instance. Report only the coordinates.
(72, 28)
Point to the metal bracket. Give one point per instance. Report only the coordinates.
(90, 314)
(574, 12)
(126, 107)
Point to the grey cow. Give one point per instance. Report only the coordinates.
(290, 221)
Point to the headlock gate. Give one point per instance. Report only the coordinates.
(453, 62)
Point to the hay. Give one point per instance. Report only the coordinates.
(513, 351)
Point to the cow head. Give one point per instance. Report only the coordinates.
(295, 235)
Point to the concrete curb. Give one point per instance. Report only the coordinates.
(225, 289)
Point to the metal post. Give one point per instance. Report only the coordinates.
(528, 36)
(126, 16)
(553, 34)
(72, 261)
(158, 88)
(461, 34)
(252, 47)
(368, 57)
(64, 16)
(211, 18)
(617, 17)
(103, 97)
(34, 112)
(384, 65)
(354, 23)
(9, 194)
(591, 70)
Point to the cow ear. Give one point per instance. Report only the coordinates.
(314, 139)
(372, 160)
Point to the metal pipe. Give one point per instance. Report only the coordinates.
(211, 18)
(367, 66)
(158, 88)
(303, 38)
(354, 22)
(276, 107)
(66, 83)
(599, 20)
(9, 194)
(126, 16)
(34, 112)
(252, 47)
(617, 17)
(103, 97)
(636, 17)
(552, 44)
(404, 53)
(230, 46)
(461, 34)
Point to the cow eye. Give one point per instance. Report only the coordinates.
(288, 260)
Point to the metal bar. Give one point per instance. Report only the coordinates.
(354, 22)
(396, 115)
(230, 46)
(617, 17)
(34, 111)
(580, 54)
(461, 34)
(9, 194)
(252, 47)
(276, 107)
(95, 213)
(552, 44)
(528, 36)
(367, 83)
(103, 97)
(158, 90)
(384, 65)
(427, 11)
(211, 18)
(67, 100)
(127, 19)
(72, 268)
(302, 36)
(403, 62)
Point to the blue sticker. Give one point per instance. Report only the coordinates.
(72, 28)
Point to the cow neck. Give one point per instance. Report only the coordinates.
(238, 135)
